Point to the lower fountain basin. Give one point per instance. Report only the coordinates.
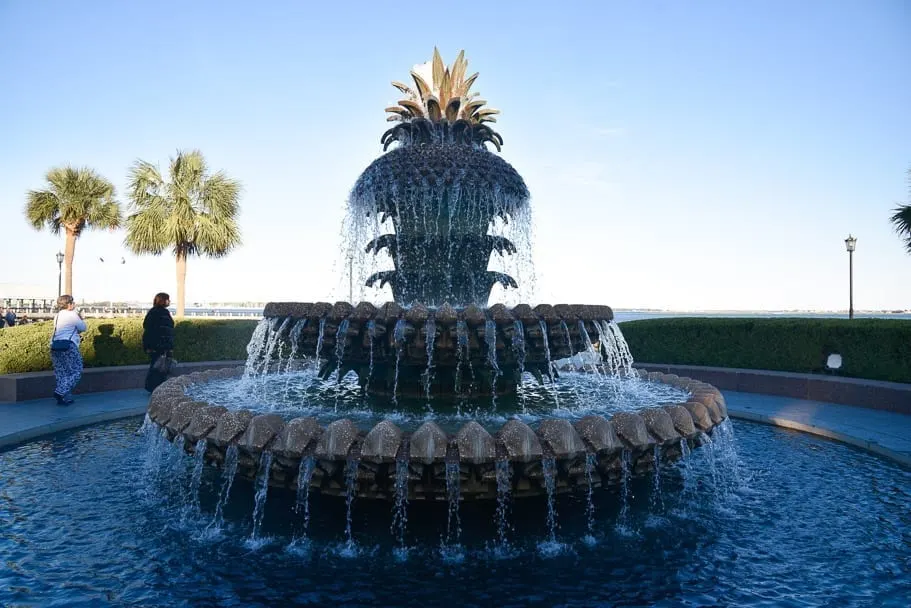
(341, 457)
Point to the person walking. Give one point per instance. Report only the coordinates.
(65, 355)
(158, 338)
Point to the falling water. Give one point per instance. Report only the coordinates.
(504, 486)
(549, 466)
(178, 463)
(625, 472)
(319, 338)
(199, 452)
(400, 506)
(262, 488)
(656, 500)
(625, 356)
(461, 352)
(609, 352)
(398, 335)
(350, 478)
(297, 332)
(230, 471)
(590, 461)
(453, 495)
(725, 453)
(371, 334)
(569, 340)
(518, 345)
(430, 332)
(157, 449)
(687, 467)
(550, 365)
(272, 343)
(490, 337)
(256, 345)
(304, 475)
(589, 347)
(708, 453)
(341, 338)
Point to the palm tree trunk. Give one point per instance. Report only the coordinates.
(181, 281)
(68, 253)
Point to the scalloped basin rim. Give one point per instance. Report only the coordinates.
(365, 311)
(645, 435)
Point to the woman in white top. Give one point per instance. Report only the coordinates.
(65, 349)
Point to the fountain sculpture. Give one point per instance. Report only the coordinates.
(443, 194)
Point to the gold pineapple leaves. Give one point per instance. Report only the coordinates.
(447, 97)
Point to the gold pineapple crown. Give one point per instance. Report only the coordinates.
(444, 111)
(446, 97)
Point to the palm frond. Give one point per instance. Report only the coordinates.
(76, 198)
(901, 221)
(42, 208)
(192, 212)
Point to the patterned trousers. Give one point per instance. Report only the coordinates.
(67, 369)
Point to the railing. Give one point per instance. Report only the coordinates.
(43, 308)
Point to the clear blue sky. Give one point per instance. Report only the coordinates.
(687, 155)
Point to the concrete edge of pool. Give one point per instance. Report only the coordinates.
(882, 431)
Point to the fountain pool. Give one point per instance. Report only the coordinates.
(103, 517)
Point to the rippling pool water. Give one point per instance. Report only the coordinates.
(301, 393)
(796, 521)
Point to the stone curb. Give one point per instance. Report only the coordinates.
(871, 394)
(66, 425)
(37, 385)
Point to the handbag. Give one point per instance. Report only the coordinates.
(164, 364)
(59, 346)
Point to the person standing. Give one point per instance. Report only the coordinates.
(158, 338)
(65, 355)
(10, 317)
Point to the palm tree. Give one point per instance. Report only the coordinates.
(75, 199)
(902, 220)
(192, 214)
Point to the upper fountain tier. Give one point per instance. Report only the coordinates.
(443, 190)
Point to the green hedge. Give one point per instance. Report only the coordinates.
(877, 349)
(110, 342)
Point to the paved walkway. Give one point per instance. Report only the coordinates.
(26, 420)
(881, 432)
(885, 433)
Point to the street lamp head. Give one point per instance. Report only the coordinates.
(850, 243)
(60, 257)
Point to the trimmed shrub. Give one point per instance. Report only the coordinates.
(110, 342)
(876, 349)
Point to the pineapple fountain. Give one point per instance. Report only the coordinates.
(436, 206)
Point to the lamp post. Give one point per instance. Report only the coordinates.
(60, 257)
(850, 244)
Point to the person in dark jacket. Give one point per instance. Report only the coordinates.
(158, 337)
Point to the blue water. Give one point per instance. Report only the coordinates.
(787, 520)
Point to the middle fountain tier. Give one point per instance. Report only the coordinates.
(421, 351)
